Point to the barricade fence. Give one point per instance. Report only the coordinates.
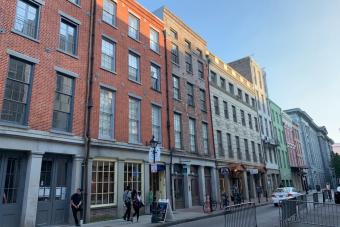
(241, 215)
(309, 213)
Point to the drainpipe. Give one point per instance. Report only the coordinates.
(168, 113)
(88, 108)
(211, 120)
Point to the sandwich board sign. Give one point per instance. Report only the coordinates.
(165, 210)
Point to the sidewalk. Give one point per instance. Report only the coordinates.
(180, 216)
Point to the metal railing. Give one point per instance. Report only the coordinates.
(309, 213)
(241, 215)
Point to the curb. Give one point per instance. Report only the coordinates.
(217, 213)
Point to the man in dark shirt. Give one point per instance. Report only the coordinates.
(75, 205)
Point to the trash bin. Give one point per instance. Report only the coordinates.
(337, 197)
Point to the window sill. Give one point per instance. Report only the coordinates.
(106, 139)
(56, 131)
(13, 125)
(94, 207)
(71, 55)
(111, 25)
(74, 4)
(108, 70)
(190, 72)
(155, 90)
(134, 81)
(178, 100)
(156, 52)
(137, 40)
(204, 111)
(25, 36)
(175, 63)
(136, 143)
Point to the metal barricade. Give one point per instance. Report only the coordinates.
(307, 213)
(241, 215)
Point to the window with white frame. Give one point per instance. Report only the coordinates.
(178, 130)
(26, 20)
(156, 123)
(176, 87)
(134, 67)
(133, 176)
(106, 116)
(226, 110)
(192, 134)
(134, 120)
(174, 53)
(103, 185)
(108, 60)
(154, 40)
(155, 77)
(133, 27)
(205, 138)
(188, 62)
(109, 12)
(68, 36)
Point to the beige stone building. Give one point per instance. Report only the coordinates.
(237, 136)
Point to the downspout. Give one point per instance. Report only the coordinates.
(211, 120)
(88, 108)
(168, 114)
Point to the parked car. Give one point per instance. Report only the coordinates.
(283, 194)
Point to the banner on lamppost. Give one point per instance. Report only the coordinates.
(253, 171)
(154, 168)
(157, 154)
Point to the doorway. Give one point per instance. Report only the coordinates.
(54, 190)
(179, 186)
(195, 193)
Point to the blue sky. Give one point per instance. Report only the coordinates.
(297, 42)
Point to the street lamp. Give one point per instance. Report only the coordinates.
(153, 144)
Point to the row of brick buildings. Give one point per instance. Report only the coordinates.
(85, 85)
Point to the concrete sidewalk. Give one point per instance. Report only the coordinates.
(180, 216)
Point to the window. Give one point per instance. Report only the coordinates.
(199, 52)
(192, 135)
(103, 186)
(239, 94)
(173, 33)
(266, 124)
(213, 77)
(243, 118)
(134, 120)
(155, 77)
(220, 143)
(75, 1)
(11, 185)
(190, 93)
(205, 138)
(253, 102)
(230, 148)
(174, 53)
(26, 20)
(261, 124)
(260, 153)
(216, 106)
(109, 12)
(222, 80)
(256, 124)
(202, 100)
(200, 69)
(134, 67)
(178, 130)
(226, 111)
(187, 44)
(156, 123)
(17, 90)
(250, 121)
(234, 114)
(68, 37)
(246, 146)
(238, 148)
(231, 89)
(176, 87)
(106, 116)
(262, 98)
(108, 60)
(133, 176)
(260, 79)
(254, 151)
(133, 27)
(63, 103)
(188, 62)
(154, 40)
(247, 98)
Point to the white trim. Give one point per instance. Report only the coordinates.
(22, 56)
(65, 71)
(61, 13)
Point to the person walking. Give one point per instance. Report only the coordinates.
(76, 202)
(137, 203)
(127, 202)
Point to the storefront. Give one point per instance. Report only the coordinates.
(195, 193)
(178, 178)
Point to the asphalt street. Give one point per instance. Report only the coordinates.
(267, 216)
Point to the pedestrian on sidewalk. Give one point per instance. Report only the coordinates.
(328, 188)
(259, 191)
(76, 202)
(137, 203)
(127, 203)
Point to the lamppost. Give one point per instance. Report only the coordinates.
(153, 144)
